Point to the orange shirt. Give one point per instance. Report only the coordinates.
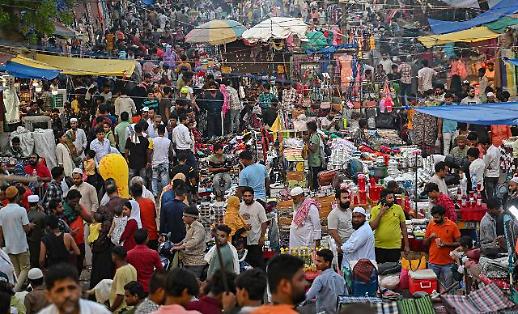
(448, 232)
(148, 217)
(499, 133)
(275, 309)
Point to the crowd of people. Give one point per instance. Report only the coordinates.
(149, 252)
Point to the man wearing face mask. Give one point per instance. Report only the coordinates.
(442, 236)
(305, 229)
(361, 242)
(388, 219)
(339, 219)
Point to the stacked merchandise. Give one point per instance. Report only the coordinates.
(211, 214)
(341, 151)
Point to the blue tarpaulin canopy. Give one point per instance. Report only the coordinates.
(503, 8)
(485, 114)
(27, 72)
(513, 61)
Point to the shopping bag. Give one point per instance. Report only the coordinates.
(413, 263)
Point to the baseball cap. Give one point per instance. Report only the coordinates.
(34, 274)
(296, 191)
(359, 210)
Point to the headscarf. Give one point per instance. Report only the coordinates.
(135, 213)
(303, 211)
(232, 217)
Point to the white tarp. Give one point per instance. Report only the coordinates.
(276, 28)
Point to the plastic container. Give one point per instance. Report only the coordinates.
(423, 280)
(472, 213)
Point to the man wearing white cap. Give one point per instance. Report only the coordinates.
(305, 229)
(512, 195)
(78, 137)
(89, 198)
(35, 300)
(361, 243)
(38, 218)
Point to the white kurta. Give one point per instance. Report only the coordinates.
(310, 230)
(64, 159)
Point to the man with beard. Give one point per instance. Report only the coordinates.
(339, 220)
(35, 164)
(78, 137)
(442, 236)
(512, 196)
(64, 292)
(388, 219)
(492, 229)
(254, 215)
(305, 229)
(361, 243)
(287, 284)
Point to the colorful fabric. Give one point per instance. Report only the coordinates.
(488, 299)
(303, 210)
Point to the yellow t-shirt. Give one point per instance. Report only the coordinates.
(388, 233)
(95, 229)
(123, 276)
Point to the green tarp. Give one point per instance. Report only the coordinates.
(500, 25)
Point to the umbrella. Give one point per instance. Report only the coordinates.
(276, 28)
(216, 32)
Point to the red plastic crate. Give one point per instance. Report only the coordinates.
(422, 280)
(472, 213)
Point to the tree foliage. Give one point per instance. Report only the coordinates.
(34, 17)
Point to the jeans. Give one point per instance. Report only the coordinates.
(213, 125)
(234, 120)
(138, 172)
(444, 274)
(21, 264)
(160, 178)
(221, 182)
(405, 90)
(446, 142)
(490, 184)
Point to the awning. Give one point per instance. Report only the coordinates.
(469, 36)
(88, 66)
(503, 8)
(503, 23)
(276, 28)
(27, 72)
(513, 61)
(483, 114)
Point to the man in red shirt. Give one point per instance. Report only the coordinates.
(147, 214)
(211, 303)
(439, 199)
(38, 165)
(144, 259)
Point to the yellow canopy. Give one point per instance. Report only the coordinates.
(470, 36)
(79, 66)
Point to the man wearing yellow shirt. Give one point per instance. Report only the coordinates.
(388, 222)
(124, 274)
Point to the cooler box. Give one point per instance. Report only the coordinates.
(422, 280)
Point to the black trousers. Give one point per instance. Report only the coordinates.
(387, 255)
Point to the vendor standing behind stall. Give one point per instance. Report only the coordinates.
(305, 229)
(442, 236)
(388, 221)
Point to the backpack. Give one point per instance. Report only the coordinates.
(364, 279)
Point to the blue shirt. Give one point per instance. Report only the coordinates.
(254, 176)
(171, 215)
(448, 126)
(326, 288)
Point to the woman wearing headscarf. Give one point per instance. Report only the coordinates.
(127, 237)
(232, 217)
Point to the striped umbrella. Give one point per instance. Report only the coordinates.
(216, 32)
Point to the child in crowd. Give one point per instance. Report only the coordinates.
(328, 285)
(89, 167)
(95, 228)
(118, 225)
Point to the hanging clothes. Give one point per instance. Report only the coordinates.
(12, 106)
